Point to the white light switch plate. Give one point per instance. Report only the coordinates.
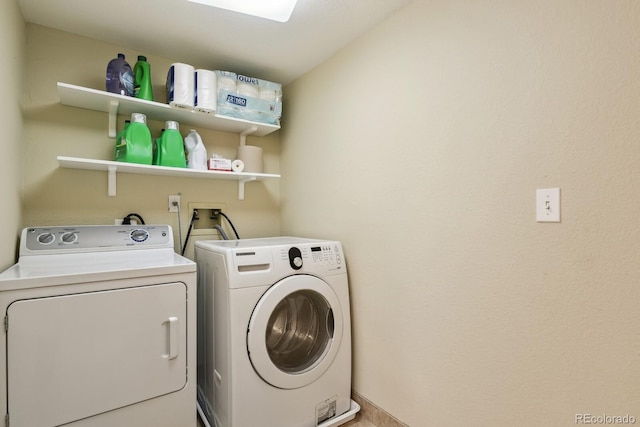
(548, 205)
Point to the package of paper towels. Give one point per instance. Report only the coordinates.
(248, 98)
(181, 85)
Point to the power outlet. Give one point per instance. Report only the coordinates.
(174, 203)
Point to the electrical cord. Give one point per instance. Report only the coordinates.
(127, 219)
(218, 227)
(194, 218)
(179, 223)
(231, 224)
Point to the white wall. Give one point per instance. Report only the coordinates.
(57, 196)
(12, 48)
(421, 146)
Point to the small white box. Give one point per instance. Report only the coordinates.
(217, 164)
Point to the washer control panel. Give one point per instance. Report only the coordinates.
(94, 238)
(328, 253)
(325, 256)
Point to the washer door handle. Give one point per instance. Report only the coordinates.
(331, 325)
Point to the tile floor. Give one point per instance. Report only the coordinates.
(357, 422)
(369, 416)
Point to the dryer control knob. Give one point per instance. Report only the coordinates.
(295, 258)
(139, 235)
(69, 238)
(46, 238)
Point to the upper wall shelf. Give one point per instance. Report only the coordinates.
(114, 104)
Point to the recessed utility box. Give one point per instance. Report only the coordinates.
(207, 220)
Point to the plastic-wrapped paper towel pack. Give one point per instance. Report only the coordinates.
(225, 93)
(248, 98)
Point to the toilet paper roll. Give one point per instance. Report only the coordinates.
(237, 165)
(181, 85)
(206, 91)
(251, 156)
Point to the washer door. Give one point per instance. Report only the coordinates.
(295, 331)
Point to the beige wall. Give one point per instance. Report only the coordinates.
(421, 146)
(12, 52)
(53, 195)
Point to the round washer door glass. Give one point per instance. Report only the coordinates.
(295, 331)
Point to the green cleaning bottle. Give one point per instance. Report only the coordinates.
(170, 147)
(120, 148)
(142, 79)
(156, 144)
(134, 143)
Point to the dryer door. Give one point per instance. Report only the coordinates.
(295, 331)
(74, 356)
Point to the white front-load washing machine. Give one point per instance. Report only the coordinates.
(274, 333)
(99, 329)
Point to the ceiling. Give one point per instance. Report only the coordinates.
(216, 39)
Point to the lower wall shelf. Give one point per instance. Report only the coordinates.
(112, 168)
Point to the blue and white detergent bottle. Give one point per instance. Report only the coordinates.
(119, 76)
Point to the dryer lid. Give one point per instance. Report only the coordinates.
(295, 331)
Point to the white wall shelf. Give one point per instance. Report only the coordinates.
(114, 104)
(113, 167)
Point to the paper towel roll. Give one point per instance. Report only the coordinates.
(227, 83)
(237, 165)
(251, 156)
(267, 94)
(181, 85)
(248, 89)
(206, 91)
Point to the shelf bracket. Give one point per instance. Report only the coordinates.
(241, 186)
(243, 135)
(113, 117)
(111, 181)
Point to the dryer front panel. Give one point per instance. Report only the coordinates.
(75, 356)
(295, 331)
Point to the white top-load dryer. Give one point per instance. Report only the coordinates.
(274, 333)
(100, 329)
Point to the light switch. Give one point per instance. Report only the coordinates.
(548, 205)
